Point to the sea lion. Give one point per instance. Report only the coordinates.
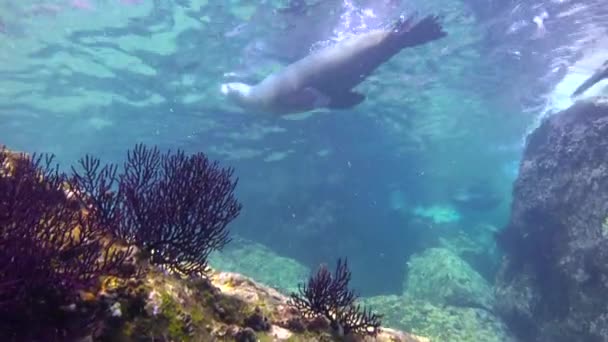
(325, 78)
(600, 74)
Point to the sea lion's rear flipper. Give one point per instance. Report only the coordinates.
(345, 100)
(406, 33)
(599, 75)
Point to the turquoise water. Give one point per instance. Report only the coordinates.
(416, 179)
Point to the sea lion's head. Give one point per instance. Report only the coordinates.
(239, 93)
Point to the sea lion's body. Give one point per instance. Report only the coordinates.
(325, 78)
(600, 74)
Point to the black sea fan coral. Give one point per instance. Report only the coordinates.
(50, 249)
(174, 207)
(329, 296)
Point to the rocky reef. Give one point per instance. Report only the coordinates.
(444, 299)
(553, 283)
(99, 255)
(441, 277)
(225, 306)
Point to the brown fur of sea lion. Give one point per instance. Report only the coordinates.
(325, 78)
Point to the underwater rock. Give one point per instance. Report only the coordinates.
(284, 320)
(257, 261)
(552, 285)
(53, 254)
(441, 277)
(245, 335)
(440, 323)
(67, 291)
(476, 245)
(226, 307)
(257, 321)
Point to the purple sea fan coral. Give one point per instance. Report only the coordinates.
(328, 295)
(174, 207)
(50, 249)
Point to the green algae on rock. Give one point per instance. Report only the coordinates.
(475, 245)
(552, 283)
(444, 299)
(440, 323)
(256, 261)
(443, 278)
(225, 307)
(150, 303)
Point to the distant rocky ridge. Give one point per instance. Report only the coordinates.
(553, 285)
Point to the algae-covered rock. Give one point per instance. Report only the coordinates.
(552, 286)
(440, 323)
(258, 262)
(477, 246)
(441, 277)
(152, 303)
(275, 305)
(225, 307)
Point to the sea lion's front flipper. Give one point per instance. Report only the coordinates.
(345, 100)
(308, 98)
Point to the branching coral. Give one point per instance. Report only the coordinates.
(329, 296)
(172, 206)
(58, 232)
(50, 249)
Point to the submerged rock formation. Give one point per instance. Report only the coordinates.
(445, 299)
(441, 277)
(76, 265)
(553, 285)
(226, 307)
(440, 323)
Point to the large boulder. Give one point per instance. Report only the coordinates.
(553, 285)
(441, 277)
(440, 323)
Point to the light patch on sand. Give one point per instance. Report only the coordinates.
(81, 100)
(438, 213)
(298, 117)
(236, 153)
(256, 132)
(324, 152)
(192, 98)
(276, 156)
(99, 123)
